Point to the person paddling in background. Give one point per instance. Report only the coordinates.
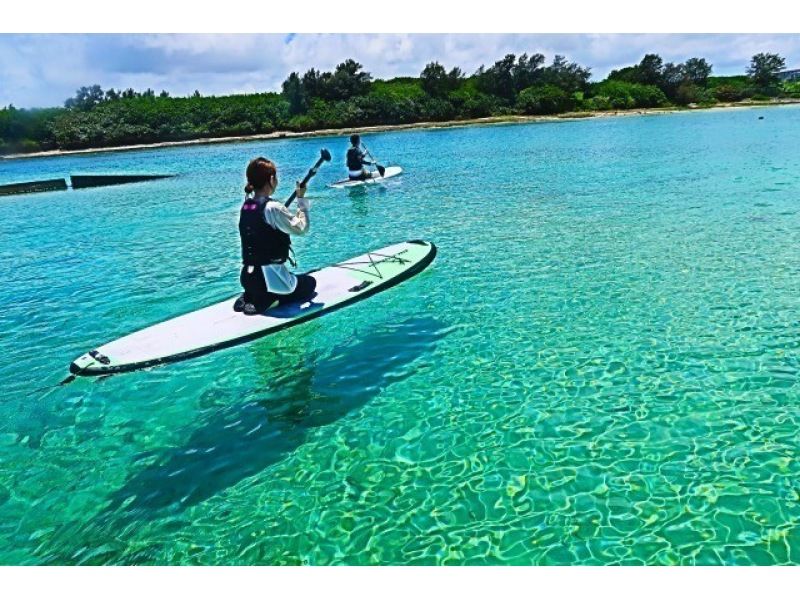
(265, 226)
(356, 160)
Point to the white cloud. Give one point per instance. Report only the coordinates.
(42, 70)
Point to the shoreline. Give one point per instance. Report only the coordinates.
(489, 120)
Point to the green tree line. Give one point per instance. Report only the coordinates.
(350, 97)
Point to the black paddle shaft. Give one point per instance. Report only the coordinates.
(325, 156)
(381, 169)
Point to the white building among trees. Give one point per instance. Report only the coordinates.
(792, 75)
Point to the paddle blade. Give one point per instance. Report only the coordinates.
(381, 169)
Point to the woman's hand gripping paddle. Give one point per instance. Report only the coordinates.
(325, 156)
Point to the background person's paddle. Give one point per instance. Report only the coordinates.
(381, 169)
(325, 156)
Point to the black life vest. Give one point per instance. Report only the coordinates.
(355, 159)
(261, 244)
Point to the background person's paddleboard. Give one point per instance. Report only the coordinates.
(218, 326)
(389, 172)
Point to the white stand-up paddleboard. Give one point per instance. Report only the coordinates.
(389, 172)
(218, 326)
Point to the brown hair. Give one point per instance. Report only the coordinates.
(259, 172)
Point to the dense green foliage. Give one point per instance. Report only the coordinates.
(149, 119)
(613, 94)
(545, 99)
(682, 84)
(27, 130)
(792, 89)
(764, 69)
(348, 97)
(437, 82)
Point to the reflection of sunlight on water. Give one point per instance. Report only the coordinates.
(237, 441)
(618, 381)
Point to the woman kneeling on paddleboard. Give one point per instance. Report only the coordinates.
(264, 227)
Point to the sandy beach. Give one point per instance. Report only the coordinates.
(491, 120)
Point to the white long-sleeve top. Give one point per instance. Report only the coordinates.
(279, 279)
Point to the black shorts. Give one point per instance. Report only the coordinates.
(256, 292)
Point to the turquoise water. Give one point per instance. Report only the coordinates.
(601, 366)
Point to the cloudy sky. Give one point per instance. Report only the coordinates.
(43, 70)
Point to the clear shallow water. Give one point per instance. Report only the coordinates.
(608, 373)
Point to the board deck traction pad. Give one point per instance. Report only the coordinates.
(218, 326)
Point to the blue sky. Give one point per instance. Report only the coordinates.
(43, 70)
